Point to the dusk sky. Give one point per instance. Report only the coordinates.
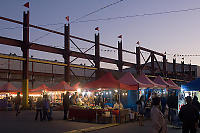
(175, 33)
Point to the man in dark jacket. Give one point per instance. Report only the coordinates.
(17, 103)
(196, 103)
(39, 108)
(66, 103)
(172, 102)
(189, 115)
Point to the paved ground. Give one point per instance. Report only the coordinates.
(25, 122)
(134, 128)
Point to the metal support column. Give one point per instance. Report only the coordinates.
(190, 71)
(138, 60)
(97, 55)
(174, 67)
(32, 77)
(9, 73)
(25, 49)
(66, 54)
(52, 78)
(165, 65)
(120, 62)
(182, 69)
(152, 64)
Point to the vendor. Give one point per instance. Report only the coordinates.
(117, 105)
(85, 100)
(79, 100)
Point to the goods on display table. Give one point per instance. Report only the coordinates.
(98, 114)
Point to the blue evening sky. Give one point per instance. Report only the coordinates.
(175, 33)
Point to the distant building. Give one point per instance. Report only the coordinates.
(195, 70)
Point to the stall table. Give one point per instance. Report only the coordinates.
(98, 115)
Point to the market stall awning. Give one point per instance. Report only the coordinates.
(194, 85)
(161, 81)
(62, 86)
(39, 89)
(108, 81)
(8, 87)
(174, 85)
(76, 86)
(129, 79)
(145, 80)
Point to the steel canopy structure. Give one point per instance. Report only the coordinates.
(66, 53)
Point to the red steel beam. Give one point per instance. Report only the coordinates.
(148, 50)
(60, 33)
(30, 73)
(45, 48)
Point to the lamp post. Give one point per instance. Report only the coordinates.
(84, 72)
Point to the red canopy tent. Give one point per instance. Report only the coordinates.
(145, 80)
(160, 80)
(39, 89)
(130, 80)
(75, 87)
(8, 87)
(108, 81)
(62, 86)
(174, 85)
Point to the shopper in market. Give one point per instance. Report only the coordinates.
(30, 102)
(45, 107)
(141, 110)
(172, 102)
(148, 106)
(196, 103)
(118, 105)
(17, 103)
(163, 103)
(141, 105)
(73, 99)
(189, 115)
(66, 104)
(159, 124)
(39, 108)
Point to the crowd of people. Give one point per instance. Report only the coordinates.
(161, 109)
(164, 110)
(44, 108)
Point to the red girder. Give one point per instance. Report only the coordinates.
(45, 48)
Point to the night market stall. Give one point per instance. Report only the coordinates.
(100, 112)
(192, 88)
(39, 90)
(133, 96)
(6, 95)
(153, 87)
(8, 88)
(161, 81)
(173, 85)
(56, 92)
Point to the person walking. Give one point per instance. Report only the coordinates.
(163, 103)
(141, 105)
(159, 124)
(141, 109)
(45, 107)
(189, 115)
(172, 102)
(30, 102)
(66, 103)
(39, 108)
(196, 103)
(17, 103)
